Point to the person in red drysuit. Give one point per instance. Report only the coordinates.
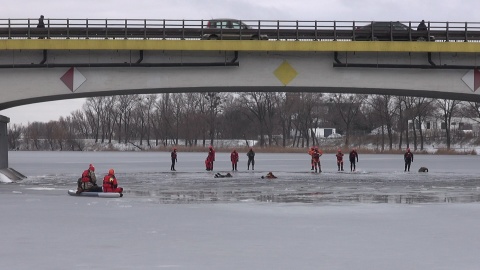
(210, 158)
(316, 159)
(110, 183)
(339, 156)
(310, 152)
(88, 181)
(234, 159)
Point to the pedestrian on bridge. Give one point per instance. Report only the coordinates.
(40, 24)
(422, 26)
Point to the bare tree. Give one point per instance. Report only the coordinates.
(447, 109)
(385, 107)
(14, 134)
(347, 106)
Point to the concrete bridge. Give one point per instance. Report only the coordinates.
(39, 70)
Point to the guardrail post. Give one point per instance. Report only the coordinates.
(106, 29)
(296, 34)
(259, 25)
(183, 29)
(126, 25)
(48, 29)
(428, 31)
(410, 30)
(278, 30)
(68, 29)
(144, 29)
(316, 33)
(164, 29)
(29, 25)
(354, 28)
(466, 29)
(86, 22)
(447, 38)
(334, 30)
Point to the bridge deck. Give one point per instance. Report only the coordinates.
(237, 45)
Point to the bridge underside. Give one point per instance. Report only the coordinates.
(30, 76)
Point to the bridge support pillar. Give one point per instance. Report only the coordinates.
(3, 142)
(4, 169)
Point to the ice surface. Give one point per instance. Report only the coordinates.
(381, 218)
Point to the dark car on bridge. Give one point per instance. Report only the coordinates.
(390, 31)
(231, 29)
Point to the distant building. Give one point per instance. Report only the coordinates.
(321, 132)
(465, 125)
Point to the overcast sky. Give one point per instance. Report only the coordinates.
(323, 10)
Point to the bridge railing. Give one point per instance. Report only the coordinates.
(291, 30)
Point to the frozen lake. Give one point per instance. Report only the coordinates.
(378, 218)
(379, 178)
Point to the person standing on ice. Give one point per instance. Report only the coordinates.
(234, 159)
(353, 155)
(310, 152)
(339, 156)
(408, 158)
(316, 159)
(251, 159)
(174, 159)
(210, 158)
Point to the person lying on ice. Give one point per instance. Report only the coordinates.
(88, 181)
(219, 175)
(110, 183)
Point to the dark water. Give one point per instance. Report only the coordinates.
(147, 176)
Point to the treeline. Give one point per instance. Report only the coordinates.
(271, 118)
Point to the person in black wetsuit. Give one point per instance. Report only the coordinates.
(408, 157)
(353, 155)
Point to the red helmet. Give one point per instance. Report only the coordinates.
(111, 172)
(210, 147)
(91, 168)
(408, 149)
(339, 150)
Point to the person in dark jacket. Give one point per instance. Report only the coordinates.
(40, 24)
(408, 157)
(251, 159)
(353, 156)
(422, 26)
(174, 159)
